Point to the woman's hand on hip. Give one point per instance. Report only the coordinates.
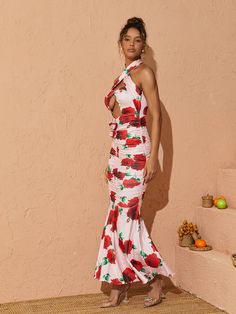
(150, 169)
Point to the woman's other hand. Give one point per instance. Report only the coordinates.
(150, 169)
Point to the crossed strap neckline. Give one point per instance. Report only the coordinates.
(134, 64)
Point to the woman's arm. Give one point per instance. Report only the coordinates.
(150, 90)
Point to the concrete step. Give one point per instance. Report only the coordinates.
(226, 185)
(210, 275)
(217, 227)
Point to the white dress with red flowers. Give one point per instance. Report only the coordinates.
(127, 252)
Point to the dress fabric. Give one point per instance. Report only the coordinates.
(126, 252)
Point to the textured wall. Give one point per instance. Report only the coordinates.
(58, 59)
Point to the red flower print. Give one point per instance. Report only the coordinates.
(139, 162)
(131, 183)
(133, 213)
(133, 201)
(137, 104)
(138, 90)
(136, 264)
(112, 218)
(135, 122)
(127, 162)
(126, 118)
(152, 260)
(111, 256)
(109, 175)
(129, 274)
(107, 241)
(121, 245)
(103, 233)
(98, 272)
(143, 121)
(118, 174)
(144, 138)
(128, 111)
(145, 110)
(132, 142)
(112, 151)
(121, 134)
(122, 205)
(126, 246)
(116, 281)
(112, 196)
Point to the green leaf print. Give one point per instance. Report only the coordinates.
(129, 135)
(142, 270)
(105, 261)
(128, 174)
(141, 219)
(154, 274)
(128, 219)
(121, 187)
(128, 155)
(121, 236)
(123, 199)
(143, 253)
(122, 279)
(133, 247)
(106, 277)
(120, 210)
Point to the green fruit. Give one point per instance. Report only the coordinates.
(221, 204)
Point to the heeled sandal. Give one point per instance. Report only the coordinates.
(150, 301)
(121, 298)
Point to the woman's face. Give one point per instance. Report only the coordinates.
(132, 43)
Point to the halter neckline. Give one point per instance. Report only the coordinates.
(132, 64)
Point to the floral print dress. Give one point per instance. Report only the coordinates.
(127, 253)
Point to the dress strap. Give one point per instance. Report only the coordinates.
(133, 65)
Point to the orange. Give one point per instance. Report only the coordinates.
(200, 243)
(217, 198)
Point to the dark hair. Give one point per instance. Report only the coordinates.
(137, 23)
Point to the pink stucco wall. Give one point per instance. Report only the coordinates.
(58, 59)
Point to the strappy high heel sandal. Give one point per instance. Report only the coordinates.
(149, 301)
(121, 298)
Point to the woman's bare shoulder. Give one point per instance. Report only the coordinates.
(146, 74)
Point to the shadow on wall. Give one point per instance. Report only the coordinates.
(156, 196)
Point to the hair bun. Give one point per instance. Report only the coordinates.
(135, 20)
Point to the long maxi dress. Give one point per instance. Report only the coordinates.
(127, 253)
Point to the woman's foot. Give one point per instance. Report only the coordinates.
(155, 295)
(118, 294)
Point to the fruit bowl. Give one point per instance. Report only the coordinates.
(205, 248)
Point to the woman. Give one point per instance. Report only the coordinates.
(127, 254)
